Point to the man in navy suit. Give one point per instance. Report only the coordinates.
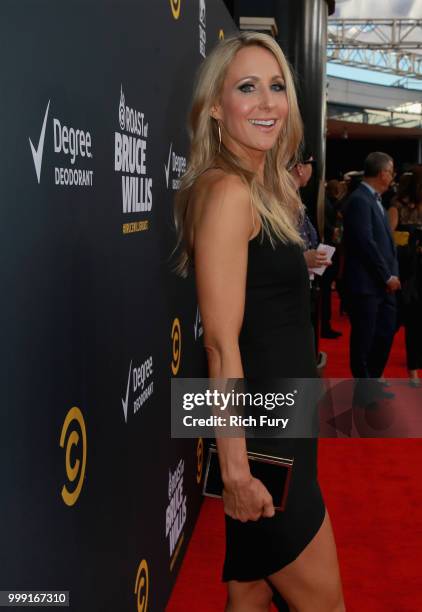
(371, 271)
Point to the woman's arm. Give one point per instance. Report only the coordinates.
(222, 227)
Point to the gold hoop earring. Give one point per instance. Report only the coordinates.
(219, 137)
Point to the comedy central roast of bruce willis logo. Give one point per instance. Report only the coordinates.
(141, 589)
(130, 161)
(199, 459)
(176, 511)
(73, 147)
(139, 388)
(73, 440)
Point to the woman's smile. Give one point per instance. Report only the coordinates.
(264, 125)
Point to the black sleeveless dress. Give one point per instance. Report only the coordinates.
(277, 340)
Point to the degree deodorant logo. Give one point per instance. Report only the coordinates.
(199, 459)
(73, 440)
(197, 327)
(72, 147)
(174, 169)
(202, 28)
(175, 8)
(176, 337)
(142, 587)
(139, 387)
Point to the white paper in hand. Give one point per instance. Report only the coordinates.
(329, 251)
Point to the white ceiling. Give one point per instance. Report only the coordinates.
(378, 9)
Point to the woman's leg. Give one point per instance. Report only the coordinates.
(311, 583)
(249, 596)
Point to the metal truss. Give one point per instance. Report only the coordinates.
(384, 45)
(375, 117)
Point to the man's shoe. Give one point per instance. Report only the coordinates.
(368, 392)
(331, 334)
(385, 394)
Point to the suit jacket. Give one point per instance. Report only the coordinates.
(370, 252)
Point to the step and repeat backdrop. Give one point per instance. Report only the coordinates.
(96, 499)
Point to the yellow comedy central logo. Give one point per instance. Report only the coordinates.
(175, 8)
(75, 471)
(221, 34)
(142, 587)
(199, 459)
(176, 337)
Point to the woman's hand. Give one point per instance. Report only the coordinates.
(316, 259)
(247, 500)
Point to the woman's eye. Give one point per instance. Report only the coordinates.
(278, 87)
(246, 87)
(249, 87)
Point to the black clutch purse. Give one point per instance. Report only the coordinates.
(273, 472)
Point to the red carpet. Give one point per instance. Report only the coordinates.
(373, 491)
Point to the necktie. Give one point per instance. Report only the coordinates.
(379, 202)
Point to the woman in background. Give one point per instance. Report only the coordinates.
(237, 214)
(335, 194)
(405, 216)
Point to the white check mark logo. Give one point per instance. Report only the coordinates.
(126, 400)
(37, 153)
(196, 323)
(167, 166)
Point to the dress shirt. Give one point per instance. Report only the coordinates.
(377, 197)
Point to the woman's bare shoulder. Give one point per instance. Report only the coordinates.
(219, 198)
(216, 181)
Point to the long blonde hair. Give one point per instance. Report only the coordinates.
(276, 201)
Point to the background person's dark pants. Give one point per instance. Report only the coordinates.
(315, 309)
(373, 324)
(327, 279)
(413, 335)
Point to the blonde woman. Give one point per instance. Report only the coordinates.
(237, 214)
